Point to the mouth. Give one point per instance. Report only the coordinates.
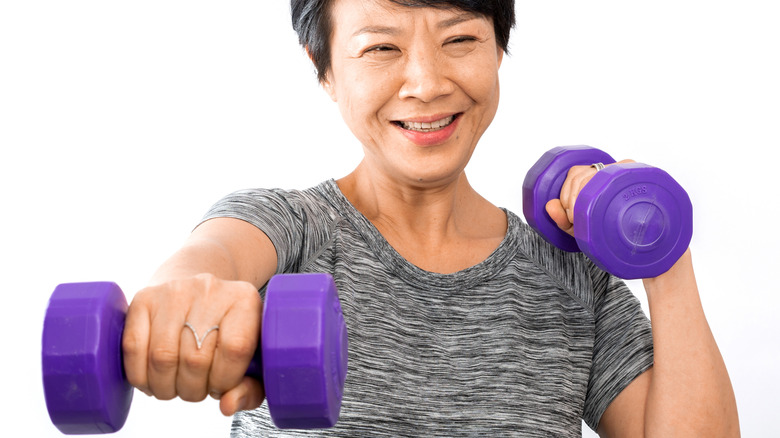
(432, 126)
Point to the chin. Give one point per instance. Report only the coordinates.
(427, 178)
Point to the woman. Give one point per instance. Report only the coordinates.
(462, 321)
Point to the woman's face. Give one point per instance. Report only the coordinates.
(417, 86)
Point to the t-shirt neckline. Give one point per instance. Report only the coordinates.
(411, 273)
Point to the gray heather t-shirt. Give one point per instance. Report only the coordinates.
(526, 343)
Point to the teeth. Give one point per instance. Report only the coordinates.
(428, 127)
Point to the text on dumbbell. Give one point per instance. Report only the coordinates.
(636, 191)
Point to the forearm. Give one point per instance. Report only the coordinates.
(206, 283)
(690, 393)
(196, 257)
(228, 249)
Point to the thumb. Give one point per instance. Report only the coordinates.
(559, 215)
(249, 394)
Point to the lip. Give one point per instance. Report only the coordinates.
(430, 138)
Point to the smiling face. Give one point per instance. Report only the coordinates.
(417, 86)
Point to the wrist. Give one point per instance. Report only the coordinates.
(676, 283)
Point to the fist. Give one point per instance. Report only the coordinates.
(192, 338)
(561, 210)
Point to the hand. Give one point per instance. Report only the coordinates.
(561, 210)
(161, 355)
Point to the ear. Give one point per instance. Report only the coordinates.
(500, 56)
(326, 82)
(328, 86)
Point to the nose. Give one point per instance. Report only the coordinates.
(426, 77)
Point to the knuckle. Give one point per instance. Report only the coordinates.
(192, 396)
(140, 297)
(132, 344)
(164, 395)
(197, 362)
(135, 380)
(578, 171)
(243, 291)
(207, 281)
(238, 349)
(253, 300)
(163, 359)
(162, 389)
(177, 291)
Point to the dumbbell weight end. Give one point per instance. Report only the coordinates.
(83, 378)
(633, 220)
(304, 343)
(544, 181)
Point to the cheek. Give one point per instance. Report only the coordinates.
(363, 96)
(484, 91)
(494, 94)
(479, 78)
(483, 86)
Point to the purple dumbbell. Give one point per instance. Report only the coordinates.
(303, 352)
(632, 220)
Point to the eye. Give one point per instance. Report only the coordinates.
(380, 48)
(460, 46)
(380, 52)
(461, 39)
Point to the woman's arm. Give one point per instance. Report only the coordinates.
(212, 280)
(229, 249)
(688, 391)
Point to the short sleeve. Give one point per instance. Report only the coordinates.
(272, 213)
(623, 344)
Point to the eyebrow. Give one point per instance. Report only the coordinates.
(462, 18)
(386, 30)
(378, 29)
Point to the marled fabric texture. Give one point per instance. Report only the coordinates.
(526, 343)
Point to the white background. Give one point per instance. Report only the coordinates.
(122, 122)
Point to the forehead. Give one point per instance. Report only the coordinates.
(353, 16)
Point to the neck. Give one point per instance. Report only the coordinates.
(439, 227)
(418, 208)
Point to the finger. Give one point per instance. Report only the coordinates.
(568, 195)
(135, 346)
(571, 185)
(577, 185)
(239, 337)
(566, 188)
(249, 394)
(195, 360)
(166, 333)
(576, 179)
(558, 215)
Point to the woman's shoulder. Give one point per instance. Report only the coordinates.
(572, 271)
(318, 197)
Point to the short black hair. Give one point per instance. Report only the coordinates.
(311, 20)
